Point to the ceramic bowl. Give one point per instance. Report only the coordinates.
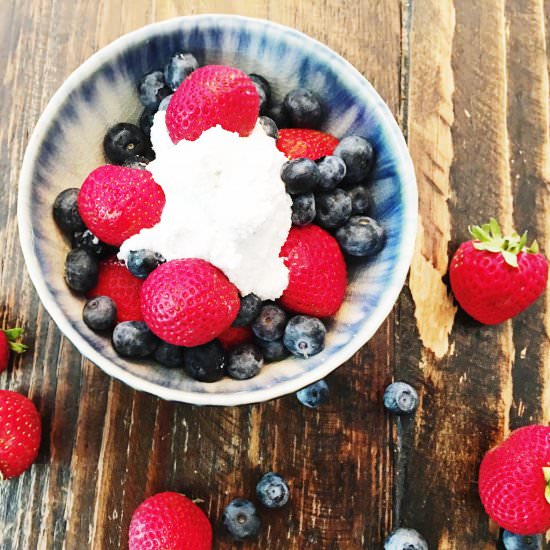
(66, 145)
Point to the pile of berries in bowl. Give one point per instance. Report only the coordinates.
(244, 222)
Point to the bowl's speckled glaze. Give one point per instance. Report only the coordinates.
(66, 146)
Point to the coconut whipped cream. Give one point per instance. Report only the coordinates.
(225, 203)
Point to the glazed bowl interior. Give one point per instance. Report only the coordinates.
(66, 146)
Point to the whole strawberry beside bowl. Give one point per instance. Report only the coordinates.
(106, 91)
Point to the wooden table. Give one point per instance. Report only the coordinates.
(468, 81)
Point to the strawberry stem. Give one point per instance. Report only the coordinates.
(13, 334)
(489, 237)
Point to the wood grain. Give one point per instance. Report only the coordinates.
(468, 81)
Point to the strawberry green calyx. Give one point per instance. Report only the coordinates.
(489, 237)
(13, 334)
(546, 472)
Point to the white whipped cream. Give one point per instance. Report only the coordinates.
(225, 203)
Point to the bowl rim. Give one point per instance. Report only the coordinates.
(409, 195)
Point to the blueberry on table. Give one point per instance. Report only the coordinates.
(511, 541)
(81, 270)
(400, 398)
(99, 313)
(169, 355)
(65, 211)
(303, 209)
(146, 120)
(360, 236)
(134, 339)
(358, 155)
(300, 175)
(205, 363)
(269, 126)
(405, 539)
(180, 66)
(304, 336)
(264, 91)
(278, 114)
(270, 323)
(139, 162)
(314, 395)
(249, 309)
(241, 519)
(124, 141)
(360, 199)
(333, 209)
(88, 241)
(163, 105)
(152, 89)
(332, 170)
(244, 361)
(272, 491)
(141, 262)
(304, 108)
(273, 351)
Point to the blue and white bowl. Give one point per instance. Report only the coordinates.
(66, 145)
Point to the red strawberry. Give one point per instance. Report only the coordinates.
(188, 302)
(8, 343)
(116, 202)
(494, 277)
(234, 336)
(303, 142)
(209, 96)
(19, 433)
(169, 521)
(115, 281)
(514, 481)
(317, 272)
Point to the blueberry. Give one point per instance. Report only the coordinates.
(303, 209)
(304, 336)
(240, 519)
(249, 309)
(360, 199)
(521, 542)
(179, 68)
(300, 175)
(264, 91)
(152, 89)
(244, 361)
(272, 491)
(164, 103)
(269, 126)
(205, 363)
(314, 395)
(270, 323)
(141, 262)
(139, 162)
(332, 170)
(304, 108)
(358, 155)
(360, 236)
(124, 141)
(146, 121)
(134, 339)
(65, 211)
(88, 241)
(278, 114)
(81, 270)
(273, 351)
(405, 539)
(169, 355)
(99, 313)
(333, 209)
(400, 398)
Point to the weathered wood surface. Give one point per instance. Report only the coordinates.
(468, 81)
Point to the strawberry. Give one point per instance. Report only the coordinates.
(514, 481)
(8, 343)
(494, 277)
(234, 336)
(188, 302)
(115, 281)
(303, 142)
(117, 202)
(212, 95)
(317, 272)
(19, 433)
(169, 521)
